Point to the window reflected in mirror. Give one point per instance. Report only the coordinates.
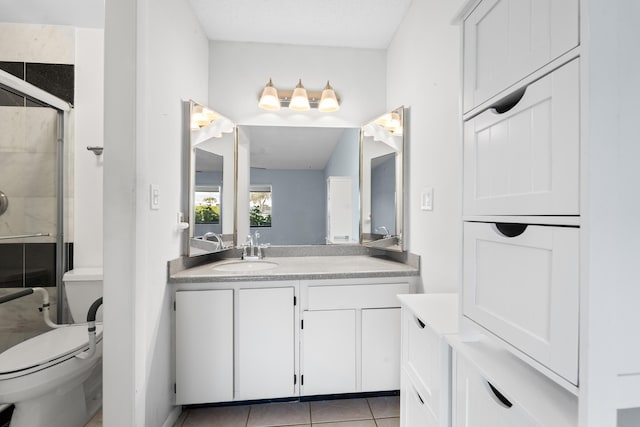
(260, 206)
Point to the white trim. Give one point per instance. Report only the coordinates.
(173, 416)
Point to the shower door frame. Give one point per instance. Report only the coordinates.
(33, 93)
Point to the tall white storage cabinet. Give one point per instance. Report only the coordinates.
(537, 165)
(340, 210)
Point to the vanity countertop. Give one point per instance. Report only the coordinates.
(298, 268)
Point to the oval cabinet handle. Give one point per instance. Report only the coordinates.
(508, 229)
(509, 101)
(420, 323)
(500, 396)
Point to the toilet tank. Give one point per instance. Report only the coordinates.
(82, 287)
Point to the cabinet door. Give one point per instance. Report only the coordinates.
(265, 343)
(329, 352)
(525, 289)
(339, 210)
(204, 346)
(426, 360)
(414, 411)
(381, 349)
(506, 40)
(526, 161)
(478, 403)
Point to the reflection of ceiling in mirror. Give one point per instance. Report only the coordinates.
(207, 161)
(275, 147)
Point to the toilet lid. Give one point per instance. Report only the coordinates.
(46, 347)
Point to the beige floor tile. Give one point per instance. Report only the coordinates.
(223, 416)
(279, 414)
(388, 422)
(96, 421)
(385, 406)
(360, 423)
(181, 418)
(325, 411)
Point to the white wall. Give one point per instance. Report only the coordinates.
(155, 56)
(423, 73)
(239, 72)
(610, 251)
(88, 131)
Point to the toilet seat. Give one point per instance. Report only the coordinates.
(44, 350)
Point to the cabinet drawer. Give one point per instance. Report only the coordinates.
(426, 361)
(525, 289)
(478, 403)
(526, 161)
(355, 296)
(414, 410)
(506, 40)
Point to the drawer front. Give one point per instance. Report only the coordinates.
(476, 404)
(355, 296)
(414, 410)
(526, 161)
(424, 360)
(506, 40)
(525, 290)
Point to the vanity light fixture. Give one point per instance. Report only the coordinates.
(328, 101)
(202, 116)
(299, 99)
(269, 99)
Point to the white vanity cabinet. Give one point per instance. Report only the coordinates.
(349, 335)
(270, 339)
(204, 346)
(235, 341)
(426, 358)
(265, 343)
(329, 352)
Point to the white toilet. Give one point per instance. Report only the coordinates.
(46, 377)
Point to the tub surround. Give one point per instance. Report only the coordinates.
(298, 263)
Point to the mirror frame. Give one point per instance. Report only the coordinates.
(395, 242)
(194, 246)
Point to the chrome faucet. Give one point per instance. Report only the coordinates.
(217, 237)
(252, 244)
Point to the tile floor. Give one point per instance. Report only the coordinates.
(369, 412)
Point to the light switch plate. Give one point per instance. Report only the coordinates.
(154, 196)
(426, 199)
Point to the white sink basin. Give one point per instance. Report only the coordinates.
(245, 266)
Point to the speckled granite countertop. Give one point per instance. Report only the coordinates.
(299, 268)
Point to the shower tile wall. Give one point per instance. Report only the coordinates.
(44, 56)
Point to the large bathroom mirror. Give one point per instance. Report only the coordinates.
(382, 171)
(298, 185)
(211, 154)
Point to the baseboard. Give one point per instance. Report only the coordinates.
(173, 416)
